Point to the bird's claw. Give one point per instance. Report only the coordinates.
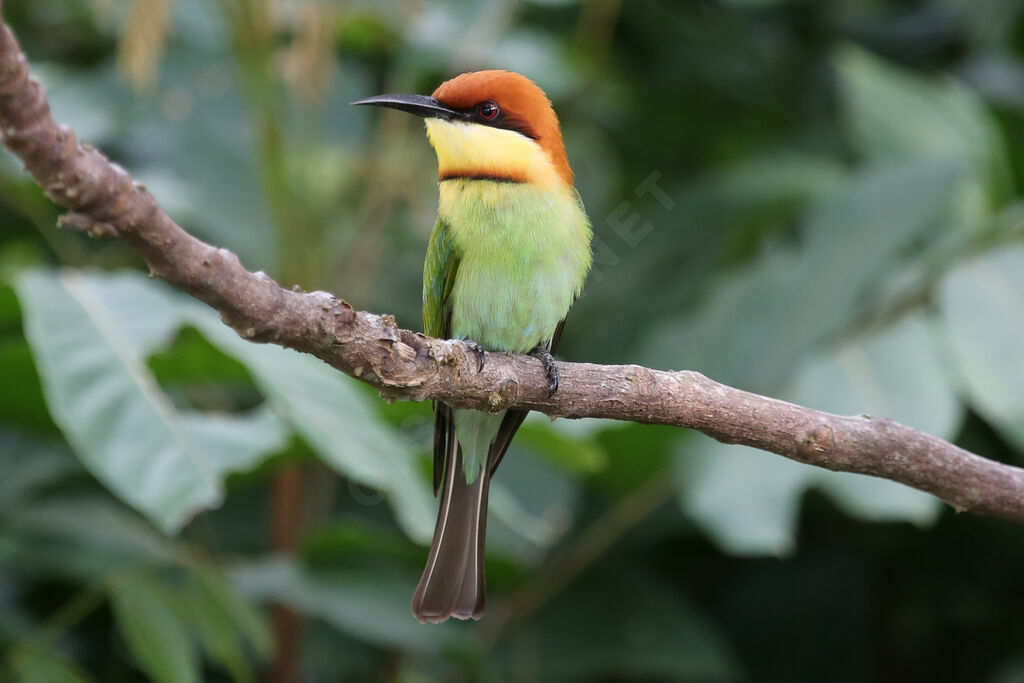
(478, 353)
(550, 369)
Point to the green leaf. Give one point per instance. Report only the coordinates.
(82, 101)
(341, 540)
(201, 163)
(29, 465)
(27, 406)
(564, 443)
(105, 400)
(896, 373)
(982, 305)
(744, 333)
(654, 444)
(785, 178)
(193, 363)
(620, 623)
(145, 313)
(745, 499)
(236, 442)
(539, 53)
(337, 420)
(757, 3)
(893, 114)
(369, 605)
(86, 536)
(533, 505)
(48, 667)
(155, 636)
(90, 334)
(749, 500)
(10, 311)
(225, 622)
(739, 210)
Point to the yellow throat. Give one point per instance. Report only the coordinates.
(472, 150)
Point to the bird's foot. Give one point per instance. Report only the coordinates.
(478, 353)
(550, 369)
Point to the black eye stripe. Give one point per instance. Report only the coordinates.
(514, 124)
(502, 119)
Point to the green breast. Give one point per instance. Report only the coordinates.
(525, 252)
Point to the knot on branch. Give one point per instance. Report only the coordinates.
(815, 445)
(442, 351)
(337, 321)
(80, 222)
(396, 365)
(506, 394)
(642, 381)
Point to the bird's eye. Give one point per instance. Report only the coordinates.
(488, 110)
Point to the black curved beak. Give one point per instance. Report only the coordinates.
(420, 105)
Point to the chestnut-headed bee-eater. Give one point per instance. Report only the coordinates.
(506, 259)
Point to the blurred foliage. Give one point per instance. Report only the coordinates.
(815, 200)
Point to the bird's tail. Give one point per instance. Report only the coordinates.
(452, 584)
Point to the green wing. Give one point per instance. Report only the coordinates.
(438, 278)
(439, 270)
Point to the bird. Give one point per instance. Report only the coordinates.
(507, 258)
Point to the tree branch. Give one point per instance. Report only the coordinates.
(103, 201)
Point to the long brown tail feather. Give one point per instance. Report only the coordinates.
(453, 583)
(442, 422)
(509, 426)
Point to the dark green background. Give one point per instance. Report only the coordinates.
(838, 223)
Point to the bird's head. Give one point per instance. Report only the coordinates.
(490, 124)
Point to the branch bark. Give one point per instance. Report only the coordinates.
(103, 200)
